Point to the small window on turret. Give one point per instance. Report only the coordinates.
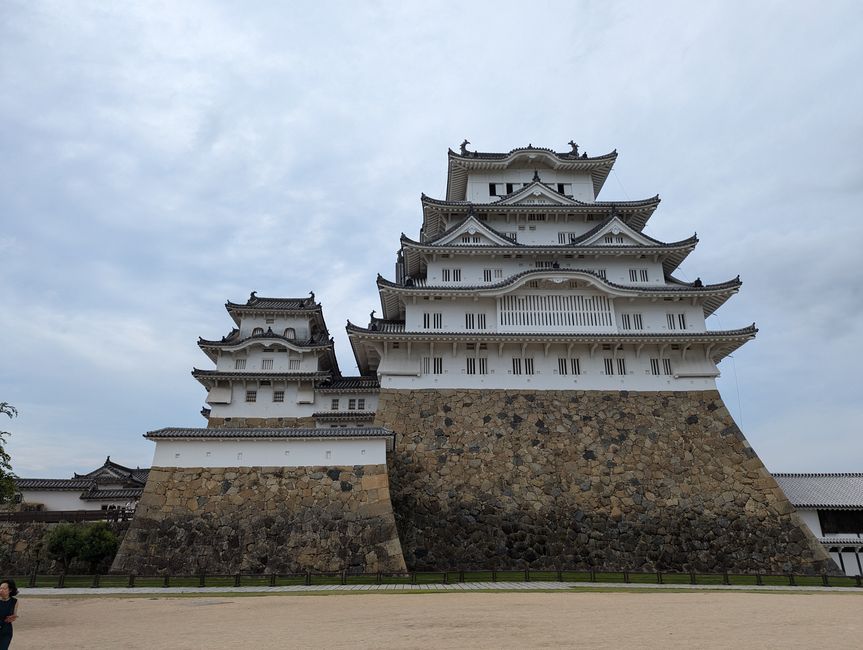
(257, 331)
(290, 333)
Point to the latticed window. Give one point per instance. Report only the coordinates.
(251, 396)
(621, 366)
(278, 396)
(609, 366)
(516, 366)
(239, 364)
(654, 366)
(361, 403)
(334, 404)
(470, 366)
(266, 364)
(293, 364)
(666, 366)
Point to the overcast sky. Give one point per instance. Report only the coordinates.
(158, 158)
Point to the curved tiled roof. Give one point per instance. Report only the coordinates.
(344, 415)
(322, 340)
(76, 484)
(719, 291)
(124, 493)
(197, 373)
(256, 302)
(828, 491)
(348, 432)
(357, 384)
(569, 205)
(568, 156)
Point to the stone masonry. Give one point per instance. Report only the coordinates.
(614, 480)
(263, 520)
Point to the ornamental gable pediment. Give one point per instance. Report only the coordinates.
(616, 233)
(473, 232)
(536, 193)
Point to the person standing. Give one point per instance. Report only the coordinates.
(8, 611)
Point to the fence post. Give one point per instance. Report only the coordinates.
(413, 578)
(626, 576)
(380, 578)
(559, 575)
(461, 576)
(592, 574)
(272, 579)
(344, 577)
(825, 579)
(659, 578)
(446, 577)
(527, 575)
(758, 579)
(237, 579)
(32, 582)
(308, 578)
(692, 577)
(791, 580)
(166, 581)
(131, 580)
(61, 581)
(858, 580)
(725, 579)
(494, 575)
(202, 581)
(95, 584)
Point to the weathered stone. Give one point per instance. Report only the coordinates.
(617, 479)
(282, 520)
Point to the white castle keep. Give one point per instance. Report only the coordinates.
(521, 278)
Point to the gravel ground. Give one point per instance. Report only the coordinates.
(444, 620)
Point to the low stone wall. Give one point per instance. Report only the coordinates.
(549, 479)
(260, 423)
(22, 548)
(263, 520)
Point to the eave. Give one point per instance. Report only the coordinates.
(721, 342)
(208, 377)
(712, 296)
(634, 213)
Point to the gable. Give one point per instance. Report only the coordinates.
(615, 233)
(472, 232)
(536, 193)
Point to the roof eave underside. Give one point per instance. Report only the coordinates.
(723, 342)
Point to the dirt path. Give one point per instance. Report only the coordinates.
(460, 620)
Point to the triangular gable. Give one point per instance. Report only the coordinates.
(536, 193)
(474, 229)
(615, 232)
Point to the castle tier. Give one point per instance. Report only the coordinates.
(522, 279)
(278, 368)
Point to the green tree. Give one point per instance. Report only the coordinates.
(7, 478)
(98, 543)
(65, 543)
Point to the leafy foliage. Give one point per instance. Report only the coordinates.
(92, 543)
(7, 478)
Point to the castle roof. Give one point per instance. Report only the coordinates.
(713, 295)
(634, 213)
(829, 491)
(349, 385)
(460, 164)
(59, 484)
(258, 304)
(672, 253)
(233, 341)
(721, 343)
(246, 433)
(208, 377)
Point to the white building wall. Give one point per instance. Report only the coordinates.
(60, 500)
(810, 518)
(402, 371)
(478, 182)
(269, 453)
(279, 324)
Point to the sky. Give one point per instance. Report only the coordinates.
(160, 158)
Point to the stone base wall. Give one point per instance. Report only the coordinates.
(22, 548)
(263, 520)
(261, 423)
(552, 479)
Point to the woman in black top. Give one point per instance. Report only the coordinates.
(8, 609)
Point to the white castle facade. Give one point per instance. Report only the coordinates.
(521, 278)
